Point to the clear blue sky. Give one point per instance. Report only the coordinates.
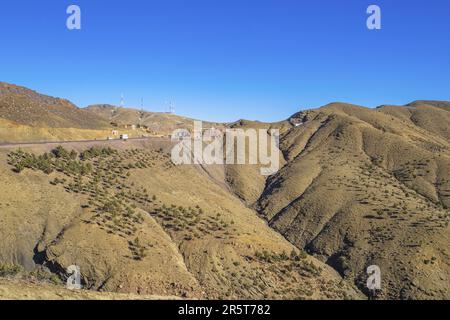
(229, 59)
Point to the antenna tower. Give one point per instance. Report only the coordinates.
(122, 101)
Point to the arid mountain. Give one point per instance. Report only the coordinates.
(26, 116)
(356, 187)
(26, 107)
(432, 116)
(158, 122)
(134, 223)
(365, 186)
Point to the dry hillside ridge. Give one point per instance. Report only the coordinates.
(364, 186)
(26, 116)
(120, 211)
(159, 123)
(26, 107)
(357, 187)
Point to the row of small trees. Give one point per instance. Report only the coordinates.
(100, 174)
(48, 164)
(271, 257)
(58, 159)
(95, 152)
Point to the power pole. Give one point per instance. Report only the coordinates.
(141, 115)
(122, 101)
(170, 108)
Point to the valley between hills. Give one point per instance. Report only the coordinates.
(357, 187)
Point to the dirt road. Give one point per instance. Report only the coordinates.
(56, 143)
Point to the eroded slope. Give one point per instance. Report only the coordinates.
(364, 187)
(135, 223)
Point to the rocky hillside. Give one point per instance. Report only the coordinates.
(136, 224)
(158, 122)
(357, 187)
(365, 186)
(26, 107)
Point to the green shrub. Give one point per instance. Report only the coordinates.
(19, 167)
(44, 275)
(60, 152)
(10, 270)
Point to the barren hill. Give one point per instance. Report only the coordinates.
(158, 122)
(27, 107)
(135, 223)
(26, 115)
(365, 186)
(357, 187)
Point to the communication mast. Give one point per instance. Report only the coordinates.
(141, 114)
(122, 101)
(170, 108)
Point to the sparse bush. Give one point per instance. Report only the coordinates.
(60, 152)
(7, 270)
